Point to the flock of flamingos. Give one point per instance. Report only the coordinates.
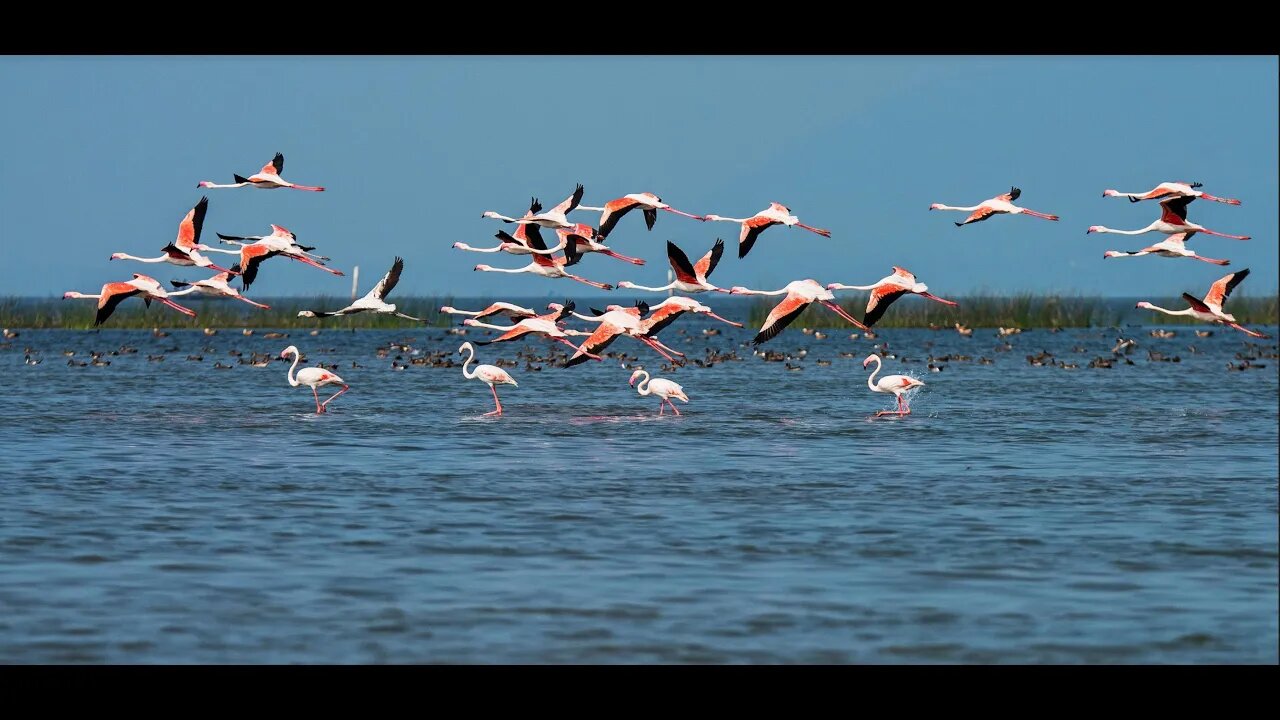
(641, 322)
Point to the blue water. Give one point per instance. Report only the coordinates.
(168, 512)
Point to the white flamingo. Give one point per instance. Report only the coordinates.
(662, 387)
(313, 377)
(491, 375)
(895, 384)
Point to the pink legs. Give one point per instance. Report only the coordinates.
(660, 344)
(176, 306)
(624, 258)
(602, 286)
(1210, 260)
(241, 297)
(1247, 331)
(841, 312)
(497, 403)
(313, 263)
(306, 187)
(1033, 213)
(1229, 201)
(578, 349)
(717, 317)
(319, 407)
(1215, 232)
(820, 231)
(679, 212)
(902, 410)
(654, 344)
(665, 402)
(326, 402)
(935, 297)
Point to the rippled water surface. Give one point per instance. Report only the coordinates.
(170, 512)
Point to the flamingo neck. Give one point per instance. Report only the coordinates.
(293, 381)
(643, 386)
(588, 207)
(1166, 311)
(126, 256)
(971, 208)
(477, 323)
(464, 246)
(471, 356)
(842, 286)
(1146, 229)
(633, 286)
(721, 218)
(872, 378)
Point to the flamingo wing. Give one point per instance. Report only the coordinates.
(613, 212)
(535, 207)
(570, 202)
(1013, 194)
(781, 316)
(112, 295)
(660, 319)
(275, 167)
(707, 264)
(1196, 304)
(189, 228)
(1175, 209)
(881, 298)
(251, 256)
(751, 230)
(603, 336)
(680, 264)
(515, 332)
(388, 281)
(982, 213)
(1221, 290)
(650, 217)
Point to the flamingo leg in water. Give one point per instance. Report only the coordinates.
(319, 407)
(496, 402)
(662, 405)
(673, 406)
(344, 389)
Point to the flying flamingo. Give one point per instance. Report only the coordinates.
(775, 214)
(666, 312)
(553, 218)
(374, 301)
(896, 384)
(268, 178)
(800, 294)
(1173, 246)
(515, 312)
(647, 201)
(887, 290)
(649, 327)
(185, 250)
(617, 321)
(690, 278)
(112, 294)
(662, 387)
(489, 374)
(1166, 190)
(313, 377)
(1210, 309)
(280, 237)
(517, 244)
(581, 237)
(1173, 220)
(218, 285)
(547, 266)
(995, 206)
(547, 325)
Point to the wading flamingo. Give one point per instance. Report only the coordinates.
(216, 286)
(647, 201)
(553, 218)
(185, 250)
(268, 178)
(896, 384)
(488, 374)
(800, 294)
(1210, 309)
(547, 325)
(775, 214)
(112, 294)
(1170, 189)
(662, 387)
(582, 238)
(1173, 246)
(995, 206)
(375, 301)
(690, 278)
(1173, 220)
(515, 312)
(887, 290)
(313, 377)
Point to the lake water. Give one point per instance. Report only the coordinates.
(170, 512)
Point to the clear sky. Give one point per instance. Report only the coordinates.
(103, 154)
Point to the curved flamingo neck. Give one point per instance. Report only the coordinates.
(871, 379)
(471, 356)
(293, 381)
(643, 386)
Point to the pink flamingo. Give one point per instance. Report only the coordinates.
(1210, 309)
(553, 218)
(313, 377)
(491, 375)
(548, 325)
(1173, 246)
(895, 384)
(887, 290)
(185, 250)
(515, 312)
(547, 266)
(582, 239)
(112, 294)
(268, 178)
(647, 201)
(995, 206)
(517, 243)
(1173, 220)
(775, 214)
(799, 294)
(690, 278)
(217, 286)
(615, 322)
(662, 387)
(1170, 189)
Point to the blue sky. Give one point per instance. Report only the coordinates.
(104, 154)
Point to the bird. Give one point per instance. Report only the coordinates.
(1173, 246)
(488, 374)
(800, 294)
(1173, 220)
(517, 243)
(964, 331)
(1210, 309)
(268, 178)
(553, 218)
(313, 377)
(615, 322)
(185, 250)
(690, 277)
(218, 285)
(615, 209)
(547, 266)
(112, 294)
(374, 301)
(281, 238)
(775, 214)
(662, 387)
(582, 238)
(1170, 189)
(253, 254)
(887, 290)
(666, 312)
(994, 206)
(547, 325)
(515, 312)
(896, 384)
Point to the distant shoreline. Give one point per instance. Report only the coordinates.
(1027, 311)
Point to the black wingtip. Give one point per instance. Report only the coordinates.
(959, 224)
(240, 179)
(596, 312)
(644, 307)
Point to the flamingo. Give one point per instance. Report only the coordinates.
(1210, 309)
(280, 237)
(514, 312)
(690, 278)
(775, 214)
(896, 384)
(268, 178)
(648, 327)
(553, 218)
(647, 201)
(800, 294)
(1170, 189)
(615, 322)
(1173, 220)
(218, 285)
(1173, 246)
(185, 250)
(253, 254)
(662, 387)
(489, 374)
(112, 294)
(887, 290)
(548, 325)
(995, 206)
(547, 266)
(666, 312)
(582, 238)
(374, 301)
(313, 377)
(517, 244)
